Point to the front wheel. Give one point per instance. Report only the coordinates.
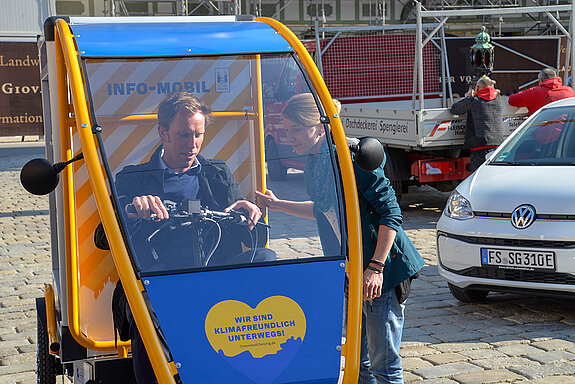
(46, 364)
(467, 295)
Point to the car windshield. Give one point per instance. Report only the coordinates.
(548, 139)
(241, 148)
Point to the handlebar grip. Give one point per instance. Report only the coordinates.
(234, 216)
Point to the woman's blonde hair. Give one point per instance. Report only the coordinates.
(302, 109)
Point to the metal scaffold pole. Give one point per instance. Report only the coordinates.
(419, 56)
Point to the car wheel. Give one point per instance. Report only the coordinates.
(276, 170)
(47, 365)
(467, 295)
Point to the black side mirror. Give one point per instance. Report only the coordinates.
(368, 152)
(40, 177)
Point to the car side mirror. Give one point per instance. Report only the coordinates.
(40, 176)
(368, 152)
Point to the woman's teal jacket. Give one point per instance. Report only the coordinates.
(378, 206)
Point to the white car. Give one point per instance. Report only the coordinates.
(511, 225)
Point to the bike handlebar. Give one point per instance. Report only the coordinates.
(175, 210)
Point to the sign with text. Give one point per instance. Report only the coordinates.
(20, 94)
(516, 61)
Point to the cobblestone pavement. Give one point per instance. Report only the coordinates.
(507, 338)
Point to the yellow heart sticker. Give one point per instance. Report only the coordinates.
(234, 327)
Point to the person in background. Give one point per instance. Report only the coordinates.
(484, 128)
(550, 89)
(390, 260)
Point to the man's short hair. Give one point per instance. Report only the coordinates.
(180, 101)
(485, 81)
(547, 73)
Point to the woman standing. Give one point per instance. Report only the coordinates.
(390, 260)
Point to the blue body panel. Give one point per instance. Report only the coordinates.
(177, 39)
(194, 308)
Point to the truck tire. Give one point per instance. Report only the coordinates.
(467, 295)
(46, 364)
(276, 170)
(397, 186)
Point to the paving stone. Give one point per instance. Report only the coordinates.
(446, 370)
(503, 362)
(485, 377)
(458, 347)
(554, 344)
(416, 351)
(20, 359)
(553, 379)
(430, 313)
(442, 380)
(478, 354)
(19, 378)
(419, 340)
(441, 328)
(459, 336)
(518, 349)
(17, 368)
(411, 363)
(413, 332)
(539, 371)
(552, 356)
(409, 377)
(444, 358)
(500, 341)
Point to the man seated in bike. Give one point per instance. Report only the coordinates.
(177, 172)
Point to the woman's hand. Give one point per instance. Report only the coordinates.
(269, 199)
(372, 284)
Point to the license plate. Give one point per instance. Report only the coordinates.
(518, 259)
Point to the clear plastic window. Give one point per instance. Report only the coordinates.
(176, 175)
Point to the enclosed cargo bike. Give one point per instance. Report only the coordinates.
(243, 320)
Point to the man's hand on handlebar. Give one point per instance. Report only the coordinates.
(252, 210)
(152, 208)
(148, 208)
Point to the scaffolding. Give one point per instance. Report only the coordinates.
(501, 17)
(426, 52)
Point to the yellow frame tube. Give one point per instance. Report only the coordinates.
(153, 116)
(261, 148)
(132, 286)
(69, 212)
(52, 328)
(355, 267)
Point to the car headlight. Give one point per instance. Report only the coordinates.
(458, 207)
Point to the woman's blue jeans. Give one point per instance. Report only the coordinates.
(382, 326)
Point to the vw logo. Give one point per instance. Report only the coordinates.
(523, 216)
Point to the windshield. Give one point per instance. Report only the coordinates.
(548, 139)
(190, 142)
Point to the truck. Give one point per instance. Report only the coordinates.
(396, 83)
